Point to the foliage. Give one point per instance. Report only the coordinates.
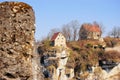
(70, 62)
(51, 68)
(112, 55)
(44, 46)
(80, 59)
(83, 54)
(46, 43)
(84, 76)
(111, 42)
(89, 45)
(97, 73)
(74, 45)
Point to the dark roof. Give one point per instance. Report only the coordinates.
(54, 36)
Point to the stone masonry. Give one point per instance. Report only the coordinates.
(16, 41)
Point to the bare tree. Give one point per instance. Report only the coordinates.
(118, 30)
(66, 32)
(52, 31)
(102, 27)
(115, 32)
(74, 27)
(70, 30)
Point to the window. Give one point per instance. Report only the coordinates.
(68, 75)
(98, 35)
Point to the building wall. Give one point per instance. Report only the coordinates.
(93, 35)
(83, 34)
(97, 35)
(60, 40)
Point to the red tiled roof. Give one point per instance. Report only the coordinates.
(54, 36)
(92, 28)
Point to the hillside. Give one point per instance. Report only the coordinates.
(83, 54)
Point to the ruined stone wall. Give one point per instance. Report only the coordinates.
(16, 41)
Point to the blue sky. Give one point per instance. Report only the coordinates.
(54, 13)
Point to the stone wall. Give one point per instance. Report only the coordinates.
(16, 41)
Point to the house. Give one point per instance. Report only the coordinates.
(90, 31)
(58, 39)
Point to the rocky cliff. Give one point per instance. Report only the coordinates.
(17, 41)
(100, 74)
(76, 62)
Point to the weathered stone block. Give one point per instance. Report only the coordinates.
(16, 41)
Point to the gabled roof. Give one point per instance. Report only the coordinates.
(91, 28)
(54, 36)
